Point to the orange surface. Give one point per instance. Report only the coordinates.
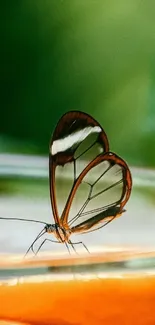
(107, 298)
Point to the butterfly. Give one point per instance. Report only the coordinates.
(98, 182)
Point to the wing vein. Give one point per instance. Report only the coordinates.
(106, 189)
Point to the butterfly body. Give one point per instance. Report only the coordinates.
(60, 233)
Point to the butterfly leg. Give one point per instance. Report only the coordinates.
(43, 242)
(31, 246)
(67, 248)
(80, 242)
(30, 249)
(53, 241)
(72, 244)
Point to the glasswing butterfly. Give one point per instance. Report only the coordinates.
(99, 183)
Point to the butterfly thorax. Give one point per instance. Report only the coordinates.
(60, 233)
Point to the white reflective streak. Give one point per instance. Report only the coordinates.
(66, 143)
(37, 167)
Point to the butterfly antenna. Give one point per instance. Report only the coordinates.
(21, 219)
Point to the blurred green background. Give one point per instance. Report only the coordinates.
(95, 56)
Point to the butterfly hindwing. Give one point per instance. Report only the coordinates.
(99, 194)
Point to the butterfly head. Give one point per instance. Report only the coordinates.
(49, 228)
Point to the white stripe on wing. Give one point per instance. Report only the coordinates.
(66, 143)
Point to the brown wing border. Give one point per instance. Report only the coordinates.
(64, 123)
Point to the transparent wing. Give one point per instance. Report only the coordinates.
(76, 141)
(99, 194)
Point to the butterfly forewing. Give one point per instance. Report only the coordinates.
(77, 140)
(64, 176)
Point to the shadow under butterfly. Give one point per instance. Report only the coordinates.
(98, 181)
